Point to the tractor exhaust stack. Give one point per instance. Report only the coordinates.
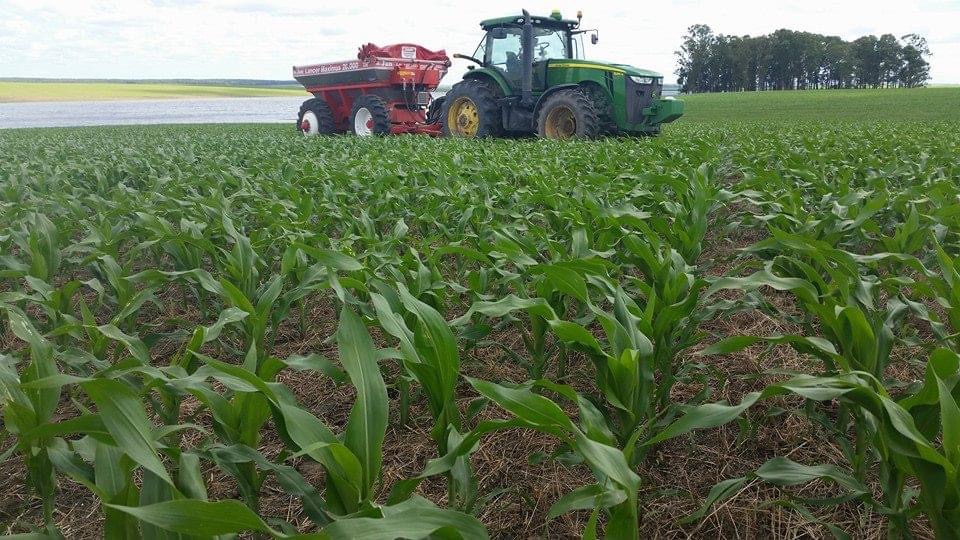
(526, 72)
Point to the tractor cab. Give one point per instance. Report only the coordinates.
(551, 38)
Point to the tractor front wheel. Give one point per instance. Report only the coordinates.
(568, 113)
(470, 110)
(315, 118)
(370, 116)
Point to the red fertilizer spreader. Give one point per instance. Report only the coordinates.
(386, 90)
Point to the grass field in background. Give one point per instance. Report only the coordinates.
(18, 91)
(919, 104)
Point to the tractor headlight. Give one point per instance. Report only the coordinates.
(641, 80)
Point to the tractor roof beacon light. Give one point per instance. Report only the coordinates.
(555, 14)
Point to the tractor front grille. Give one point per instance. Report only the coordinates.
(640, 96)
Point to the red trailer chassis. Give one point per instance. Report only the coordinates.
(401, 75)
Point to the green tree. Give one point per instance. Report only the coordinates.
(866, 62)
(838, 63)
(890, 57)
(792, 60)
(915, 70)
(693, 59)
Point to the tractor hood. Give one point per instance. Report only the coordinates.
(630, 70)
(605, 66)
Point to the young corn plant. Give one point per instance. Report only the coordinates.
(683, 219)
(846, 325)
(556, 288)
(430, 356)
(915, 439)
(944, 289)
(352, 461)
(187, 248)
(39, 262)
(666, 306)
(27, 410)
(616, 492)
(123, 437)
(121, 291)
(840, 296)
(636, 363)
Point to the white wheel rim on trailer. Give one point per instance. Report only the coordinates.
(310, 125)
(363, 122)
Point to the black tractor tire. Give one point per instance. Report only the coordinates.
(608, 126)
(379, 121)
(435, 110)
(321, 112)
(483, 96)
(568, 113)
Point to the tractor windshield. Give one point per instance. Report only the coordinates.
(548, 43)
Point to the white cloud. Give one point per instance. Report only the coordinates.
(262, 38)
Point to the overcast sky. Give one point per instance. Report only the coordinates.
(261, 39)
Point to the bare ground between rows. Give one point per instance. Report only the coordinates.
(677, 476)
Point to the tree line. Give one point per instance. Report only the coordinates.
(791, 60)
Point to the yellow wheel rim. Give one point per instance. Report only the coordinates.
(463, 119)
(560, 123)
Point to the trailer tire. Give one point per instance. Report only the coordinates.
(315, 118)
(470, 110)
(568, 113)
(369, 116)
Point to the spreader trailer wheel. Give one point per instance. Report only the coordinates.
(315, 118)
(309, 124)
(370, 116)
(363, 122)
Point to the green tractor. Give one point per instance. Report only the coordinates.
(531, 77)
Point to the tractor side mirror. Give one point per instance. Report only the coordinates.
(498, 33)
(594, 39)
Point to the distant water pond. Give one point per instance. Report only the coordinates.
(164, 111)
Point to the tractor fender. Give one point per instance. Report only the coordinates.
(548, 93)
(492, 75)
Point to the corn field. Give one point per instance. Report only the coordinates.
(725, 331)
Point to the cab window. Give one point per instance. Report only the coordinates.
(504, 52)
(548, 44)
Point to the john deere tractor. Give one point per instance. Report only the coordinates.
(531, 77)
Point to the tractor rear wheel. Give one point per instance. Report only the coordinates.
(470, 110)
(568, 113)
(369, 116)
(315, 118)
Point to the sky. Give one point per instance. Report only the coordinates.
(262, 39)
